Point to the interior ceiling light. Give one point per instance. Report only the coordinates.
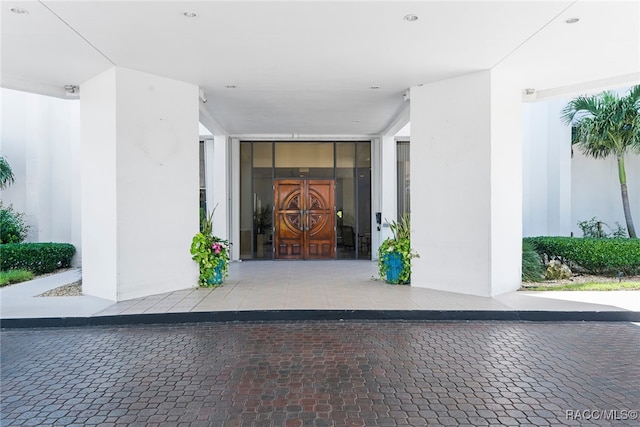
(19, 10)
(190, 14)
(410, 17)
(572, 20)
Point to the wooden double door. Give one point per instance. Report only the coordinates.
(304, 213)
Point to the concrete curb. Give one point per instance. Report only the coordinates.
(301, 315)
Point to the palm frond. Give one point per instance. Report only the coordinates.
(634, 96)
(606, 124)
(6, 174)
(579, 108)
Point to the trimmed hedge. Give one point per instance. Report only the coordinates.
(597, 256)
(38, 258)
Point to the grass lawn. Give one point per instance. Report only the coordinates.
(14, 276)
(589, 286)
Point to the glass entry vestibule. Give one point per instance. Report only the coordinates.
(305, 200)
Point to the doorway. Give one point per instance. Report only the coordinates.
(304, 212)
(346, 164)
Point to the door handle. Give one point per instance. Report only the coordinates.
(307, 218)
(301, 227)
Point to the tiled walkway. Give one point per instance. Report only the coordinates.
(374, 373)
(317, 285)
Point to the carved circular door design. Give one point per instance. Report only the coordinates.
(304, 215)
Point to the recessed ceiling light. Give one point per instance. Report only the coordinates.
(190, 14)
(231, 86)
(410, 17)
(572, 20)
(19, 10)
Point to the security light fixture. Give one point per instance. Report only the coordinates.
(19, 11)
(71, 89)
(572, 20)
(374, 87)
(231, 86)
(410, 17)
(190, 14)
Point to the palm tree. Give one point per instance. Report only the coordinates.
(6, 174)
(608, 125)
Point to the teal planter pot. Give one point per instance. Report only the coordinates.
(218, 275)
(393, 262)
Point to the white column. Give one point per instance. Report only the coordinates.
(466, 184)
(234, 202)
(389, 186)
(217, 180)
(377, 195)
(139, 184)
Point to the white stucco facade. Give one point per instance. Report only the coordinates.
(41, 142)
(561, 186)
(596, 191)
(129, 184)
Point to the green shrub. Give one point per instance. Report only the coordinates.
(596, 256)
(36, 257)
(594, 228)
(12, 226)
(532, 267)
(14, 276)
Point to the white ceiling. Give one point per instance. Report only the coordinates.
(307, 67)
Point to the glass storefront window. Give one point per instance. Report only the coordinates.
(203, 184)
(246, 203)
(403, 178)
(348, 163)
(346, 200)
(304, 160)
(262, 200)
(364, 199)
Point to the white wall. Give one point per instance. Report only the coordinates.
(561, 189)
(41, 141)
(140, 184)
(596, 190)
(546, 170)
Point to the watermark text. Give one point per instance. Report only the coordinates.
(601, 414)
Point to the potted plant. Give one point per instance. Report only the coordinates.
(211, 253)
(262, 219)
(395, 253)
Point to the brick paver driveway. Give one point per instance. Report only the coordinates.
(375, 373)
